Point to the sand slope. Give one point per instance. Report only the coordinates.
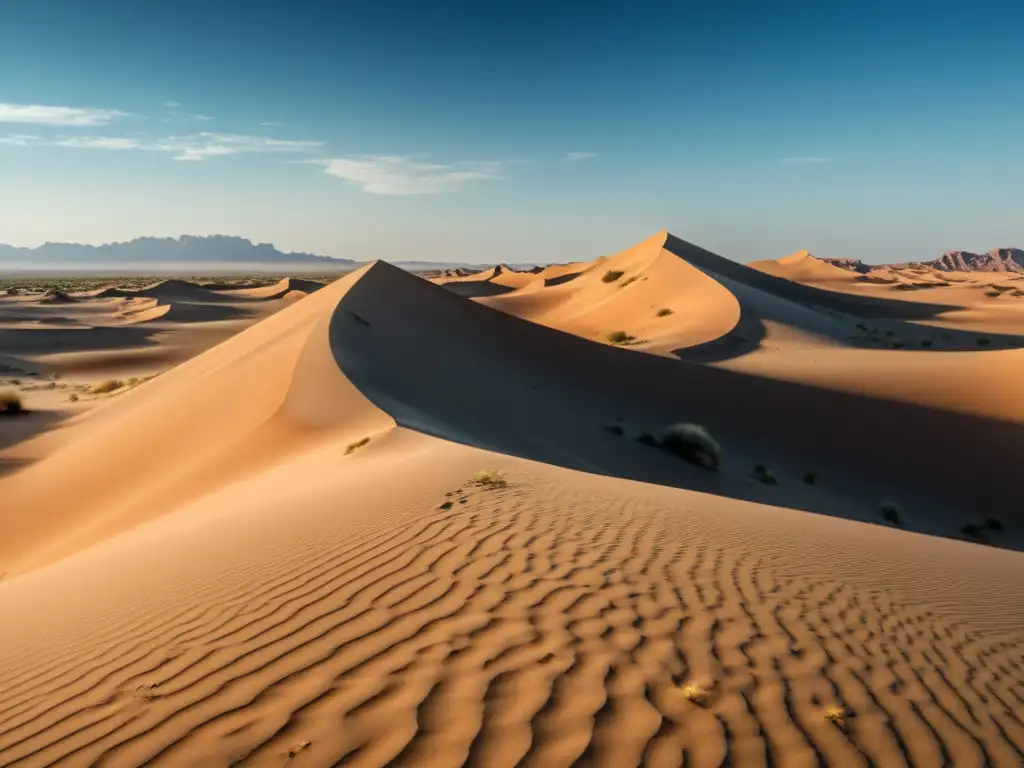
(210, 573)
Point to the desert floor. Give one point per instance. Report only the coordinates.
(279, 550)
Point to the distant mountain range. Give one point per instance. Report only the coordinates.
(996, 260)
(185, 249)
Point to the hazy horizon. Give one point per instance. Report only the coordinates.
(457, 132)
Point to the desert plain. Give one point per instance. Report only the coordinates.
(432, 520)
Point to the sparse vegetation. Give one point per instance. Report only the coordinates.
(693, 443)
(612, 275)
(994, 524)
(890, 334)
(984, 341)
(891, 513)
(926, 343)
(811, 478)
(629, 280)
(300, 747)
(490, 478)
(697, 694)
(837, 716)
(614, 429)
(898, 345)
(73, 397)
(973, 531)
(108, 386)
(765, 475)
(664, 312)
(11, 404)
(647, 439)
(619, 337)
(356, 445)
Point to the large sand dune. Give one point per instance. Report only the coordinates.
(215, 569)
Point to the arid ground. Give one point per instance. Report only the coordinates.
(433, 521)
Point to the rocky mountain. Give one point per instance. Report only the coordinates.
(996, 260)
(185, 249)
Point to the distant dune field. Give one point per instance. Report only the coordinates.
(437, 522)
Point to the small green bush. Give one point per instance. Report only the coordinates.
(693, 443)
(356, 445)
(891, 513)
(73, 397)
(765, 475)
(612, 275)
(619, 337)
(10, 404)
(490, 478)
(105, 387)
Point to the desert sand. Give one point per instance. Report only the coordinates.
(280, 551)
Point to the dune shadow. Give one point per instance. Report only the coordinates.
(550, 282)
(468, 373)
(742, 340)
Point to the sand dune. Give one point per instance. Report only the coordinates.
(215, 569)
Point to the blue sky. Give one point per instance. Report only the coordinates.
(520, 131)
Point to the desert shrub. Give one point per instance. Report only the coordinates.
(926, 343)
(898, 345)
(837, 716)
(110, 385)
(984, 341)
(612, 275)
(614, 429)
(993, 524)
(765, 475)
(647, 439)
(972, 530)
(356, 445)
(811, 478)
(665, 312)
(619, 337)
(73, 397)
(10, 404)
(629, 280)
(490, 478)
(697, 694)
(891, 513)
(693, 443)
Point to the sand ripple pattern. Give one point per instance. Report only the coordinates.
(514, 629)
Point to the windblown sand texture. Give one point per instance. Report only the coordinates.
(277, 552)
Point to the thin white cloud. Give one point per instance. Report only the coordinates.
(37, 114)
(202, 117)
(18, 140)
(270, 124)
(810, 160)
(580, 156)
(194, 147)
(391, 175)
(99, 142)
(172, 104)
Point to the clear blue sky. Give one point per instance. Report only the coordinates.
(521, 131)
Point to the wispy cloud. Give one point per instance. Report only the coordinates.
(270, 124)
(172, 104)
(202, 117)
(194, 147)
(99, 142)
(572, 156)
(390, 175)
(18, 140)
(809, 160)
(37, 114)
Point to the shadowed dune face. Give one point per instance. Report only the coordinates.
(282, 551)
